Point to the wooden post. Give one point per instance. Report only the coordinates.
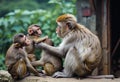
(105, 38)
(109, 35)
(103, 30)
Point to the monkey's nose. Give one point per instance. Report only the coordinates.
(57, 30)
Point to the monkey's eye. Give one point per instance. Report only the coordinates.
(38, 29)
(21, 35)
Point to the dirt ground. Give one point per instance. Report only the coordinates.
(50, 79)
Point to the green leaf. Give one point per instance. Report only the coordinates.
(16, 29)
(12, 19)
(1, 21)
(25, 20)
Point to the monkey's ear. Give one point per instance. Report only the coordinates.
(70, 25)
(17, 45)
(30, 31)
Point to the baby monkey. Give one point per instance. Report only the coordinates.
(49, 62)
(17, 61)
(34, 33)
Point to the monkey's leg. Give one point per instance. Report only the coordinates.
(49, 69)
(69, 66)
(19, 70)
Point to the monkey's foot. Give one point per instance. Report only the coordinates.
(42, 74)
(59, 75)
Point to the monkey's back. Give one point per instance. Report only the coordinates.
(87, 45)
(11, 55)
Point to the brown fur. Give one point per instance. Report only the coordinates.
(80, 47)
(50, 63)
(16, 59)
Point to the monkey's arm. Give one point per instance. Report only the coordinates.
(40, 39)
(37, 63)
(53, 50)
(30, 67)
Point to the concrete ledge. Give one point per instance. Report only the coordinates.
(50, 79)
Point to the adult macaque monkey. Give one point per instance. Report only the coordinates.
(16, 60)
(80, 47)
(51, 63)
(34, 33)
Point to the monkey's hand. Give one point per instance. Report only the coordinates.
(39, 45)
(45, 37)
(41, 39)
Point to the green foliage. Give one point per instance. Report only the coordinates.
(19, 20)
(2, 61)
(11, 5)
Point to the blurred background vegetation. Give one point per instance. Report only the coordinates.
(17, 15)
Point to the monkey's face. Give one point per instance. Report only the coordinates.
(62, 29)
(25, 41)
(35, 31)
(21, 40)
(66, 23)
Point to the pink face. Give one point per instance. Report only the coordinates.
(37, 29)
(26, 41)
(62, 29)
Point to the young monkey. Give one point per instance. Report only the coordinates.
(50, 63)
(34, 33)
(16, 60)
